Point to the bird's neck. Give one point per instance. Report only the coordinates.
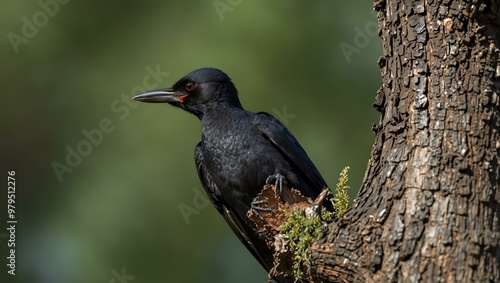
(216, 108)
(223, 120)
(222, 112)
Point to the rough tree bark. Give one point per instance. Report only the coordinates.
(429, 206)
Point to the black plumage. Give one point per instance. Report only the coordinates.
(238, 151)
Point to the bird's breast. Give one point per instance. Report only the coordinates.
(237, 158)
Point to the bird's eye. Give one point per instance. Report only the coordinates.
(190, 86)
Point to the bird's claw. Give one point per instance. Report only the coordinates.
(256, 208)
(278, 179)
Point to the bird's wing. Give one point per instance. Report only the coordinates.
(207, 181)
(242, 231)
(279, 135)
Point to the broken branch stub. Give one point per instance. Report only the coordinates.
(277, 207)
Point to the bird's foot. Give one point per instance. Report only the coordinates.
(278, 179)
(256, 208)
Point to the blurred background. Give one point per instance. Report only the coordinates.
(107, 189)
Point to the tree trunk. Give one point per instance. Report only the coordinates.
(429, 206)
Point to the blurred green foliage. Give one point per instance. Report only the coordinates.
(117, 212)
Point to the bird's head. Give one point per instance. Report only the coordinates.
(197, 92)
